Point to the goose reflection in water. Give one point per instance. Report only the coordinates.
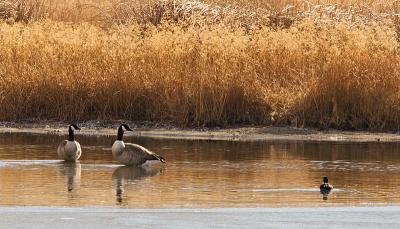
(131, 173)
(72, 170)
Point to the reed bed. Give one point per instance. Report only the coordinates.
(202, 64)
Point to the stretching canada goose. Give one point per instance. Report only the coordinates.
(132, 154)
(70, 150)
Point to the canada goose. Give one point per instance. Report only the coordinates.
(130, 173)
(325, 187)
(70, 150)
(131, 154)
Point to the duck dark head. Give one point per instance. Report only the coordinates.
(121, 131)
(71, 131)
(325, 179)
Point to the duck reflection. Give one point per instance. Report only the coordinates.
(325, 194)
(72, 170)
(130, 173)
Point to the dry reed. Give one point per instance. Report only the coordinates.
(197, 63)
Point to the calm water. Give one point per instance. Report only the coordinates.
(199, 174)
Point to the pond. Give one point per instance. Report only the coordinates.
(199, 174)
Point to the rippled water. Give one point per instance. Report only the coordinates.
(199, 173)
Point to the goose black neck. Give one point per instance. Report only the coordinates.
(71, 134)
(120, 133)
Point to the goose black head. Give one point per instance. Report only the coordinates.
(71, 131)
(121, 131)
(325, 179)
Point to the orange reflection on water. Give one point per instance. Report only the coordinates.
(199, 174)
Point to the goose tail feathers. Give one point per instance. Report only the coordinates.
(162, 159)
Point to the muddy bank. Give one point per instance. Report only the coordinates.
(249, 133)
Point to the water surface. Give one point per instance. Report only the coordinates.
(199, 174)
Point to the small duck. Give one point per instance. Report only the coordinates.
(70, 150)
(132, 154)
(325, 187)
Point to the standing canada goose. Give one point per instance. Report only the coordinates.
(131, 154)
(70, 150)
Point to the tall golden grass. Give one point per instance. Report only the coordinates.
(198, 63)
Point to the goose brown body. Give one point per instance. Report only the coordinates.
(70, 150)
(132, 154)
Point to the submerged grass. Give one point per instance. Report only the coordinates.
(196, 63)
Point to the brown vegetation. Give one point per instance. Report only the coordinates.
(196, 63)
